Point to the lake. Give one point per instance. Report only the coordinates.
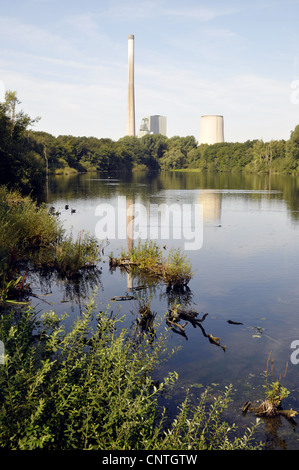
(245, 272)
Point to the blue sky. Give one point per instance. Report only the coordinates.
(67, 60)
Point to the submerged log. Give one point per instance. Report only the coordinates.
(215, 340)
(175, 315)
(123, 297)
(177, 328)
(191, 316)
(177, 325)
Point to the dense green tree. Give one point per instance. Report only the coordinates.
(153, 147)
(25, 154)
(293, 145)
(20, 165)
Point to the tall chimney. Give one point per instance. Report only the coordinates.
(131, 97)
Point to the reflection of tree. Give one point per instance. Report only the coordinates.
(74, 291)
(273, 441)
(177, 295)
(143, 185)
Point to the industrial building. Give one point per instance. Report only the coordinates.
(211, 126)
(153, 125)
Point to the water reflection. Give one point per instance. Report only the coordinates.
(246, 272)
(141, 184)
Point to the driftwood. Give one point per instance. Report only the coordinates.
(175, 315)
(174, 324)
(191, 317)
(123, 297)
(215, 340)
(267, 410)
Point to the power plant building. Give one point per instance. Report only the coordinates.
(211, 129)
(153, 125)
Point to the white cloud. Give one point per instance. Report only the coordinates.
(74, 109)
(197, 13)
(154, 9)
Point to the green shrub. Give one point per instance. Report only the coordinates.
(91, 387)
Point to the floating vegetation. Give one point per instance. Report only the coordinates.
(257, 331)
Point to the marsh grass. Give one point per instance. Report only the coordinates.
(70, 256)
(91, 387)
(31, 238)
(24, 225)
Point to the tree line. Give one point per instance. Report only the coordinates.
(26, 155)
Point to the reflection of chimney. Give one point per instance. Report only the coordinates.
(130, 224)
(131, 98)
(130, 235)
(211, 206)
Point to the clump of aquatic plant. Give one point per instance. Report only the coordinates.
(91, 387)
(148, 255)
(275, 393)
(70, 256)
(175, 270)
(178, 268)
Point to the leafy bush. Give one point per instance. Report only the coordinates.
(91, 388)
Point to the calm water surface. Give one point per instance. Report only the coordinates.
(246, 271)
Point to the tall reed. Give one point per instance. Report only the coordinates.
(32, 238)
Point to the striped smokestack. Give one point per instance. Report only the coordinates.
(131, 97)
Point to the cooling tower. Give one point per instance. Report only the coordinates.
(131, 97)
(211, 130)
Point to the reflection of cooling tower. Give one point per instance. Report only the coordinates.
(131, 97)
(211, 130)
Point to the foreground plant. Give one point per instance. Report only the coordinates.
(91, 388)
